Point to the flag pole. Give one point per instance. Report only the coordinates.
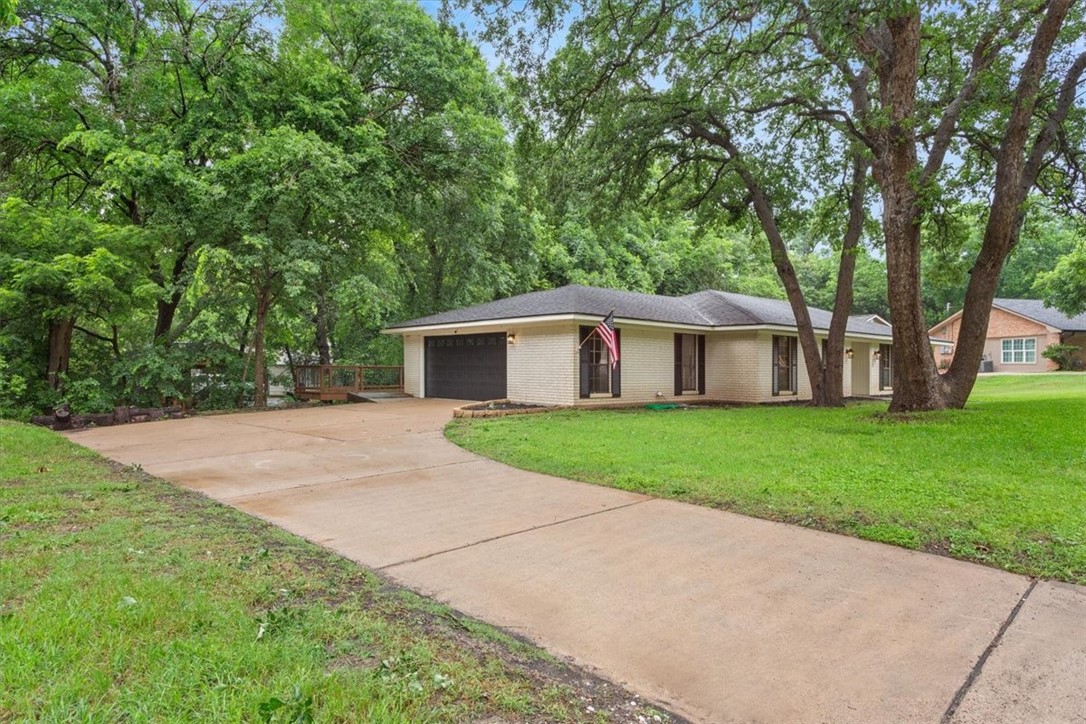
(594, 329)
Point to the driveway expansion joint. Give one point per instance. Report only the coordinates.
(978, 667)
(510, 535)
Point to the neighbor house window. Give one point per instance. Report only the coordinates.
(1019, 351)
(598, 377)
(785, 377)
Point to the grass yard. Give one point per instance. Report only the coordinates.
(125, 598)
(1002, 482)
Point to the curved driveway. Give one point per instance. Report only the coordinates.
(716, 616)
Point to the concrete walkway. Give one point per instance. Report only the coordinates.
(717, 616)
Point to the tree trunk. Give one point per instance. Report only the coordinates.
(167, 308)
(260, 382)
(916, 381)
(1015, 176)
(60, 351)
(812, 355)
(833, 366)
(324, 347)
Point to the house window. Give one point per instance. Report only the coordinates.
(689, 364)
(1019, 351)
(785, 377)
(598, 377)
(599, 366)
(886, 367)
(946, 350)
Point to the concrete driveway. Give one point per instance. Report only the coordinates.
(717, 616)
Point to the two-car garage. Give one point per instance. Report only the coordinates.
(466, 366)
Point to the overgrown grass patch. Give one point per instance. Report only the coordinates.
(1001, 482)
(125, 598)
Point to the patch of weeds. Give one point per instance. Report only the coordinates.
(245, 560)
(277, 620)
(297, 709)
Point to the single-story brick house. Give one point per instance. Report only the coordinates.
(538, 348)
(1019, 330)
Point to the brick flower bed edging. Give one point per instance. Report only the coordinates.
(478, 409)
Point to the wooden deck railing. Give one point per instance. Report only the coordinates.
(336, 382)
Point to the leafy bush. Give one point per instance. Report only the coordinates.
(88, 395)
(13, 390)
(1061, 354)
(151, 376)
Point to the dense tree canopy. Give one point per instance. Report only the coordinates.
(776, 106)
(193, 192)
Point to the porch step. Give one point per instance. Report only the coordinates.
(376, 396)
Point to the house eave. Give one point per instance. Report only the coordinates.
(521, 322)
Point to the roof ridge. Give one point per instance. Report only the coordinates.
(685, 301)
(724, 297)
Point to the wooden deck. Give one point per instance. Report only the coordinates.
(338, 382)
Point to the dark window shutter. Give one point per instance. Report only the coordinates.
(678, 364)
(793, 372)
(616, 371)
(586, 379)
(774, 367)
(701, 364)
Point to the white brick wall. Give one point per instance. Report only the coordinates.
(736, 367)
(543, 365)
(648, 364)
(412, 364)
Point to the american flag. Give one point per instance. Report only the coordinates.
(606, 331)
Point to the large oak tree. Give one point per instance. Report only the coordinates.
(766, 103)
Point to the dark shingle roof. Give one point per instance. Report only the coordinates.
(703, 309)
(873, 318)
(1035, 309)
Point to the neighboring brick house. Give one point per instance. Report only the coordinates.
(537, 348)
(1019, 330)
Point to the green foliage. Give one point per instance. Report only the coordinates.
(14, 400)
(1062, 354)
(206, 185)
(87, 395)
(7, 13)
(208, 188)
(1064, 287)
(950, 252)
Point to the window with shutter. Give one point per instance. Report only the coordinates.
(785, 370)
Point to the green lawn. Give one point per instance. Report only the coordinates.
(124, 598)
(1002, 482)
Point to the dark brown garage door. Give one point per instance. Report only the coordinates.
(466, 366)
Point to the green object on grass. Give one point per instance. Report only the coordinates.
(663, 406)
